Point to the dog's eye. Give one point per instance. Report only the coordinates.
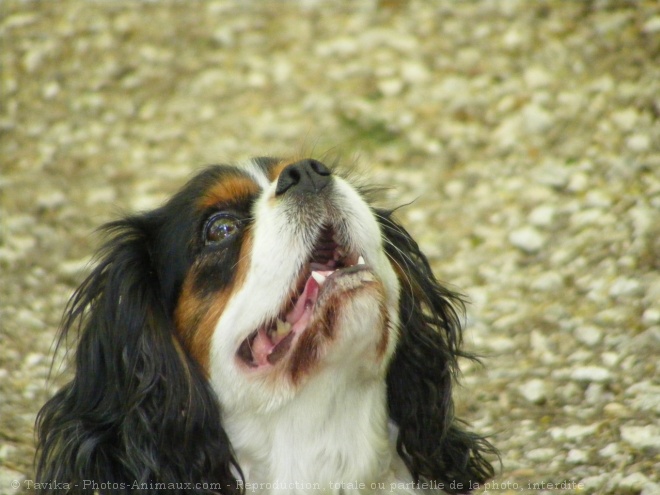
(220, 227)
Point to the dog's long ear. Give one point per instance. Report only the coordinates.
(430, 439)
(138, 410)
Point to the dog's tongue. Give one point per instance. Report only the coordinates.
(302, 310)
(264, 349)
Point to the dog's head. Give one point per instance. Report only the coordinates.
(287, 278)
(256, 289)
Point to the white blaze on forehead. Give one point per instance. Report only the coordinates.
(275, 260)
(255, 172)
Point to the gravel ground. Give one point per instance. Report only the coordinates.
(525, 134)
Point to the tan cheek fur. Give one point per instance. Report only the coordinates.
(197, 317)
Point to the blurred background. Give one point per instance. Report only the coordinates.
(525, 135)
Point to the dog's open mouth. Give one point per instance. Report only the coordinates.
(328, 263)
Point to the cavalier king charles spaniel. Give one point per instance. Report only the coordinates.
(265, 331)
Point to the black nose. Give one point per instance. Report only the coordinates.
(305, 176)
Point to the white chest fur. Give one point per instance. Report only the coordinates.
(332, 439)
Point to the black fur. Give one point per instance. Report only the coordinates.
(423, 369)
(139, 411)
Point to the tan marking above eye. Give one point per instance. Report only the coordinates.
(228, 190)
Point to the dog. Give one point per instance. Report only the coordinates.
(265, 331)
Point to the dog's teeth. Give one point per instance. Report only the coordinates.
(360, 261)
(320, 279)
(282, 327)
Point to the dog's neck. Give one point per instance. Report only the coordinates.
(334, 431)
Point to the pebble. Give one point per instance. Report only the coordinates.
(19, 20)
(536, 119)
(650, 488)
(415, 73)
(578, 432)
(594, 394)
(33, 359)
(577, 456)
(541, 454)
(652, 25)
(645, 396)
(610, 450)
(638, 142)
(548, 282)
(74, 268)
(11, 481)
(537, 77)
(7, 451)
(591, 374)
(616, 410)
(513, 38)
(542, 216)
(634, 481)
(643, 218)
(51, 199)
(534, 391)
(651, 316)
(597, 199)
(610, 359)
(454, 188)
(589, 335)
(29, 319)
(578, 182)
(390, 87)
(580, 356)
(527, 239)
(101, 195)
(625, 119)
(641, 437)
(551, 173)
(626, 287)
(593, 483)
(146, 202)
(51, 90)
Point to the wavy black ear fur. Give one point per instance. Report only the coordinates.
(431, 440)
(139, 411)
